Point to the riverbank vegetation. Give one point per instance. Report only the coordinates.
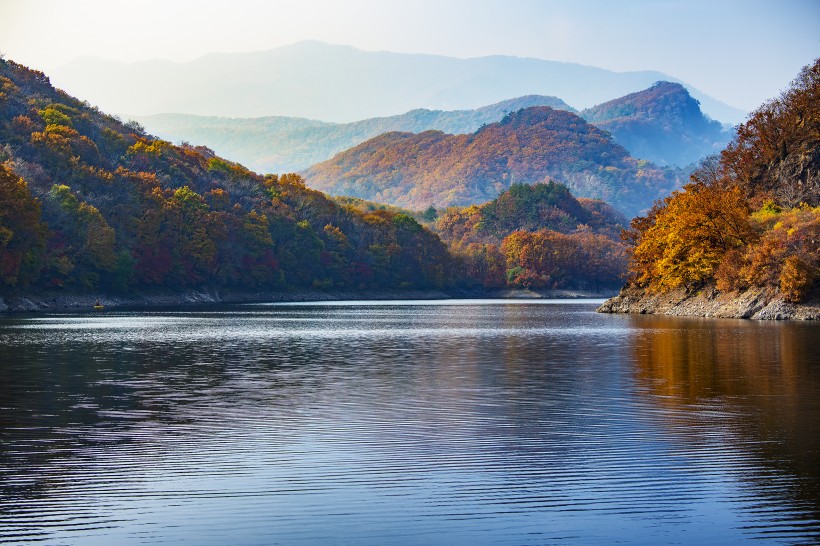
(536, 236)
(750, 218)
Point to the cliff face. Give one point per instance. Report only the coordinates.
(754, 303)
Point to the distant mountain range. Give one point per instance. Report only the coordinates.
(340, 83)
(663, 124)
(527, 146)
(283, 144)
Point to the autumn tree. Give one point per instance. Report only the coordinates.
(750, 216)
(776, 154)
(83, 244)
(22, 234)
(689, 236)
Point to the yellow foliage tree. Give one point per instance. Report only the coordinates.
(686, 239)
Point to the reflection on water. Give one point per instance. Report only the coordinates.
(429, 422)
(748, 389)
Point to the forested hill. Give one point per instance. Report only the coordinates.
(663, 124)
(525, 207)
(286, 144)
(527, 146)
(537, 236)
(90, 203)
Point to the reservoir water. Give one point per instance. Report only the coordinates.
(451, 422)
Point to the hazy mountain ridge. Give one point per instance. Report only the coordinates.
(530, 145)
(281, 144)
(340, 83)
(663, 123)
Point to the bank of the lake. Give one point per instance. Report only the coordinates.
(754, 303)
(72, 301)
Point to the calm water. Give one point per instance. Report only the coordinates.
(407, 423)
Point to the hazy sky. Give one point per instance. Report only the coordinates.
(739, 51)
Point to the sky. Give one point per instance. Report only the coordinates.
(739, 51)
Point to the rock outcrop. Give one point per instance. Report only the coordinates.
(754, 303)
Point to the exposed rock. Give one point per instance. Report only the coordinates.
(24, 304)
(754, 303)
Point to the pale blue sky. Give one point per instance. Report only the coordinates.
(739, 51)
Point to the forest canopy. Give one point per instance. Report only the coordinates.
(536, 236)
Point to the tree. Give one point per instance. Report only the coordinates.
(22, 234)
(686, 238)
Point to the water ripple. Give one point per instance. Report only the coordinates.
(417, 423)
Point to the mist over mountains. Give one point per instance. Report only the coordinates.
(342, 84)
(284, 144)
(663, 124)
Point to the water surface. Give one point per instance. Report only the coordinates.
(458, 422)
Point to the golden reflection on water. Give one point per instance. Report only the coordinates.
(688, 360)
(755, 385)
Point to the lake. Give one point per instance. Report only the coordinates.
(446, 422)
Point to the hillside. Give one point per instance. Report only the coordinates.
(530, 145)
(537, 236)
(663, 124)
(282, 144)
(340, 83)
(88, 203)
(525, 207)
(741, 239)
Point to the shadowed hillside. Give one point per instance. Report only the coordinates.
(89, 203)
(663, 124)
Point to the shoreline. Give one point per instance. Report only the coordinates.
(754, 304)
(44, 302)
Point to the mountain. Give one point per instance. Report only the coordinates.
(283, 144)
(663, 124)
(530, 145)
(340, 83)
(88, 203)
(525, 207)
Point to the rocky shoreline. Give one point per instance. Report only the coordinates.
(755, 303)
(61, 302)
